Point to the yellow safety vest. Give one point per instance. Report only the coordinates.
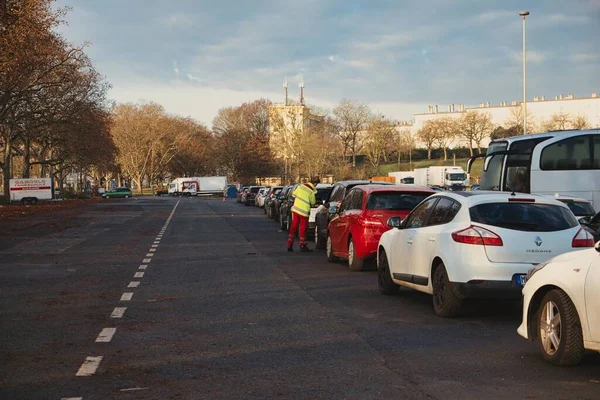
(304, 199)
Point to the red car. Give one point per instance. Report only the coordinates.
(362, 217)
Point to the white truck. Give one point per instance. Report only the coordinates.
(403, 177)
(30, 190)
(448, 178)
(198, 186)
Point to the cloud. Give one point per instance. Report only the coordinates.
(175, 68)
(177, 20)
(195, 78)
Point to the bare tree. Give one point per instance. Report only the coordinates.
(478, 126)
(580, 122)
(428, 136)
(405, 142)
(515, 118)
(446, 132)
(379, 139)
(352, 117)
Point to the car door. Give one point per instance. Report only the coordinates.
(404, 246)
(426, 238)
(339, 222)
(592, 299)
(351, 215)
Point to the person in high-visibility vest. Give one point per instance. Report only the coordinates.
(304, 200)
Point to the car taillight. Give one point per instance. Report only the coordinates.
(478, 236)
(367, 221)
(583, 239)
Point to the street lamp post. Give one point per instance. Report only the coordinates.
(524, 15)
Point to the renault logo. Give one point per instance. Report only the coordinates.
(538, 241)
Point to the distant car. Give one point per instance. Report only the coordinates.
(278, 200)
(285, 215)
(241, 193)
(436, 188)
(362, 217)
(581, 208)
(456, 245)
(118, 193)
(260, 197)
(323, 214)
(268, 206)
(474, 187)
(249, 196)
(561, 303)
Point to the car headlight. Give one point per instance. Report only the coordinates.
(535, 269)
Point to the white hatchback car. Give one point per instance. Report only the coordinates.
(561, 306)
(456, 245)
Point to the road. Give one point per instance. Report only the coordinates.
(221, 310)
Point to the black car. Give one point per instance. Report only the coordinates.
(269, 200)
(277, 202)
(592, 225)
(249, 197)
(335, 198)
(321, 196)
(285, 207)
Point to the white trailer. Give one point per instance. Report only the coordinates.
(31, 190)
(449, 178)
(403, 177)
(198, 186)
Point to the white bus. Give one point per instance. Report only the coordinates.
(565, 162)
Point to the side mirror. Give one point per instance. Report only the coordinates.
(394, 222)
(333, 209)
(585, 220)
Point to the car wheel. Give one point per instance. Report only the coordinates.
(559, 329)
(319, 242)
(384, 277)
(329, 248)
(126, 196)
(445, 301)
(354, 263)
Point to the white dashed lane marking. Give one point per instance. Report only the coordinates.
(139, 275)
(143, 266)
(126, 296)
(154, 246)
(72, 398)
(152, 250)
(106, 335)
(133, 284)
(118, 312)
(146, 260)
(89, 366)
(149, 255)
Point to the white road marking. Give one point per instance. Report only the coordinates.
(139, 275)
(72, 398)
(106, 335)
(149, 255)
(126, 296)
(152, 250)
(134, 389)
(143, 266)
(89, 366)
(146, 260)
(118, 312)
(133, 284)
(154, 246)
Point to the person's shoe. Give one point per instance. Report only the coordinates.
(305, 249)
(290, 249)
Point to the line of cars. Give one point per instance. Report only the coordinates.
(470, 244)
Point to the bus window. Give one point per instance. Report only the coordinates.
(492, 167)
(569, 154)
(518, 166)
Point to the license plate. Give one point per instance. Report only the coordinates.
(521, 280)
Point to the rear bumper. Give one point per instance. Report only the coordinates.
(483, 289)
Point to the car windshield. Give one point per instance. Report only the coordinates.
(322, 194)
(457, 177)
(254, 189)
(529, 217)
(408, 180)
(581, 208)
(395, 201)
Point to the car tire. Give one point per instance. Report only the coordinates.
(446, 303)
(354, 263)
(557, 306)
(387, 286)
(329, 249)
(320, 243)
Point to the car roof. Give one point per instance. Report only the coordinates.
(560, 197)
(362, 182)
(324, 185)
(394, 188)
(486, 196)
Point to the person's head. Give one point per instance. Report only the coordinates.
(315, 180)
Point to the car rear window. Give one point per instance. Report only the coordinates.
(322, 194)
(580, 208)
(254, 190)
(395, 201)
(529, 217)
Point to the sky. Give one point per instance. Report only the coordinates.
(197, 56)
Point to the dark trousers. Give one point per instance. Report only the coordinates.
(298, 221)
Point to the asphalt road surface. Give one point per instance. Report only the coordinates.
(161, 298)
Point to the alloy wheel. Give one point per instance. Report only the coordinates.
(550, 328)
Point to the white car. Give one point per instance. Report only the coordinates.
(260, 197)
(561, 306)
(456, 245)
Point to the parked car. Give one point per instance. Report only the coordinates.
(362, 217)
(241, 193)
(323, 191)
(475, 187)
(323, 214)
(269, 199)
(592, 225)
(285, 217)
(474, 244)
(250, 195)
(560, 306)
(278, 200)
(581, 208)
(260, 197)
(118, 193)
